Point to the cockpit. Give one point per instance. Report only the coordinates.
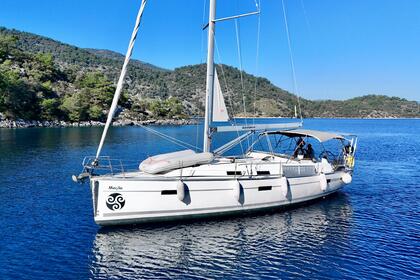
(302, 144)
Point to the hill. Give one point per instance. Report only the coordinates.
(44, 79)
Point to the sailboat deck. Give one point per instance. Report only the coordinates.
(259, 165)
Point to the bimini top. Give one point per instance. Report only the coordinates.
(321, 136)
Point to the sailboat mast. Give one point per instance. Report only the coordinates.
(210, 77)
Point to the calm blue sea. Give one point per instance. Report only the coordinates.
(371, 229)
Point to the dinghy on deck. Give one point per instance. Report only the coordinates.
(170, 161)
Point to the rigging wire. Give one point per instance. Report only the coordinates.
(228, 91)
(201, 62)
(292, 64)
(238, 46)
(257, 62)
(305, 15)
(170, 138)
(257, 58)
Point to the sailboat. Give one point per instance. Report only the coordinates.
(279, 168)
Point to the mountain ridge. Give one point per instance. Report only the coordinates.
(148, 88)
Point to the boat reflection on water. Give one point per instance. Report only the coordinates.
(260, 245)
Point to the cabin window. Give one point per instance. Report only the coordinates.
(265, 188)
(168, 192)
(233, 172)
(263, 172)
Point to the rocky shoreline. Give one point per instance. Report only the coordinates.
(28, 124)
(6, 123)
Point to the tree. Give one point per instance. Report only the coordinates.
(7, 44)
(17, 98)
(96, 112)
(96, 93)
(174, 107)
(157, 108)
(75, 107)
(43, 68)
(50, 109)
(168, 108)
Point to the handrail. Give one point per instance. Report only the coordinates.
(92, 164)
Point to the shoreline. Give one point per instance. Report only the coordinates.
(119, 123)
(46, 124)
(338, 118)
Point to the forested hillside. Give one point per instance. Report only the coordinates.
(42, 79)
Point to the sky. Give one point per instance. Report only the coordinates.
(341, 49)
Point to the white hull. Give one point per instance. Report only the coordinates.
(151, 198)
(187, 184)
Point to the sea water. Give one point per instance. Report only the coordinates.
(370, 229)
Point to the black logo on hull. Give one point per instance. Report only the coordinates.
(115, 201)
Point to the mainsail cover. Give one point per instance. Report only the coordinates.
(220, 113)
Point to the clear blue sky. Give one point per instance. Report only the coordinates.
(341, 48)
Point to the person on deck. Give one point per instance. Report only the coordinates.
(309, 152)
(347, 149)
(300, 144)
